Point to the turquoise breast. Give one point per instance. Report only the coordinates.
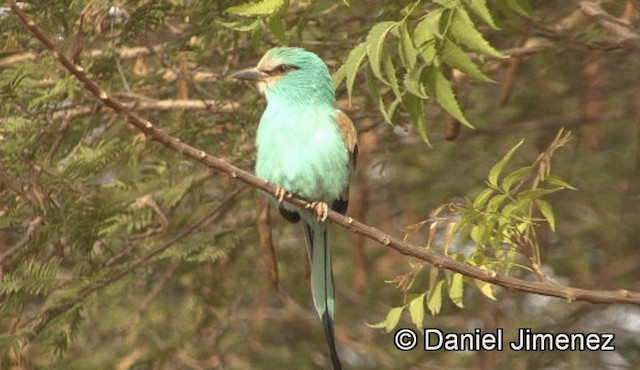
(302, 151)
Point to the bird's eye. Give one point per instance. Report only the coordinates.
(283, 68)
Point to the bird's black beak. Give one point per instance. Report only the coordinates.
(250, 74)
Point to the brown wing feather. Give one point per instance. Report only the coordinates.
(349, 136)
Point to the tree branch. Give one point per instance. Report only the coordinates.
(354, 226)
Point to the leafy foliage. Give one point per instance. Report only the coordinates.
(501, 223)
(436, 41)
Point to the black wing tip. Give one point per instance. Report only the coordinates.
(291, 216)
(340, 206)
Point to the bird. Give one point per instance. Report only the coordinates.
(308, 147)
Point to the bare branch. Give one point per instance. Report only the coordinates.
(354, 226)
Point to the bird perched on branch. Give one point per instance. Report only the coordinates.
(308, 147)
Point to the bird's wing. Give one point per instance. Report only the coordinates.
(349, 136)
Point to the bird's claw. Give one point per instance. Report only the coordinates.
(280, 193)
(321, 209)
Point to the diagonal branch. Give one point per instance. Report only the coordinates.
(354, 226)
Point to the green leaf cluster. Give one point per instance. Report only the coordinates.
(493, 232)
(410, 60)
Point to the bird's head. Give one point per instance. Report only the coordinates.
(292, 74)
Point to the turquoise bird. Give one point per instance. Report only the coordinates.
(308, 147)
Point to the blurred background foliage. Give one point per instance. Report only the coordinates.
(117, 253)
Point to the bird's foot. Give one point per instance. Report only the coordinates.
(321, 209)
(280, 193)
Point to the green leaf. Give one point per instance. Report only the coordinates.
(415, 107)
(482, 198)
(390, 71)
(378, 325)
(547, 212)
(438, 87)
(485, 288)
(393, 317)
(391, 109)
(375, 41)
(553, 180)
(480, 234)
(498, 167)
(262, 7)
(457, 58)
(456, 289)
(421, 34)
(374, 88)
(533, 194)
(388, 112)
(514, 176)
(427, 28)
(351, 66)
(416, 309)
(480, 9)
(496, 202)
(339, 76)
(408, 53)
(506, 212)
(413, 82)
(434, 299)
(464, 32)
